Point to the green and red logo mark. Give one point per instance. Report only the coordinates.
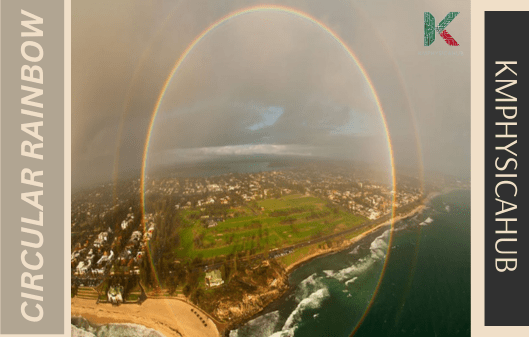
(430, 29)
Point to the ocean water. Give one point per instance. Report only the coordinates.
(80, 327)
(425, 290)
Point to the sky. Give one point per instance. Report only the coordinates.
(266, 83)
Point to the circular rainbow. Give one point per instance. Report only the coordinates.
(333, 35)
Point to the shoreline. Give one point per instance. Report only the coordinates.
(98, 322)
(290, 268)
(324, 252)
(170, 317)
(155, 318)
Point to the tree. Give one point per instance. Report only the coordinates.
(145, 270)
(197, 295)
(187, 290)
(192, 279)
(172, 284)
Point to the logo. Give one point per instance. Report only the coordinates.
(430, 29)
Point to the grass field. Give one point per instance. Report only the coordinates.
(273, 224)
(289, 259)
(290, 201)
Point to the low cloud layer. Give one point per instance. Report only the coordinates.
(265, 82)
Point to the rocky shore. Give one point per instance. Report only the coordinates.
(247, 293)
(242, 299)
(236, 313)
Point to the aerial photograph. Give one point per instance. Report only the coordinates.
(270, 169)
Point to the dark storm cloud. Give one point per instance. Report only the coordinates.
(122, 52)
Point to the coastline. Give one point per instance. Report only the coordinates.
(158, 314)
(346, 244)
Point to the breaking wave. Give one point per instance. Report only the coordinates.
(311, 293)
(355, 250)
(378, 250)
(77, 332)
(426, 222)
(400, 228)
(351, 280)
(379, 246)
(262, 326)
(312, 302)
(308, 286)
(80, 327)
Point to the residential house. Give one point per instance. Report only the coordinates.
(214, 278)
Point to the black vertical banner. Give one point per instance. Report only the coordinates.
(506, 159)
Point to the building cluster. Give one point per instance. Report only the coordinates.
(360, 193)
(120, 248)
(361, 196)
(109, 253)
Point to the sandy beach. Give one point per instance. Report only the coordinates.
(174, 317)
(171, 317)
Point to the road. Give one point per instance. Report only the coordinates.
(289, 249)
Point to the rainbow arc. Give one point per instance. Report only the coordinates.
(331, 34)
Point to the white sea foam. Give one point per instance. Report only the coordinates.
(77, 332)
(128, 329)
(346, 273)
(355, 250)
(131, 330)
(311, 280)
(308, 286)
(401, 228)
(314, 301)
(83, 328)
(429, 220)
(262, 326)
(351, 280)
(312, 291)
(378, 249)
(379, 246)
(285, 333)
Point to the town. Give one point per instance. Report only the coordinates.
(218, 239)
(110, 235)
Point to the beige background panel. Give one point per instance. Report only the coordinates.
(67, 159)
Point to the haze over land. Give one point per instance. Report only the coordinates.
(268, 149)
(263, 84)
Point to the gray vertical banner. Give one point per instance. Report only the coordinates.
(32, 167)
